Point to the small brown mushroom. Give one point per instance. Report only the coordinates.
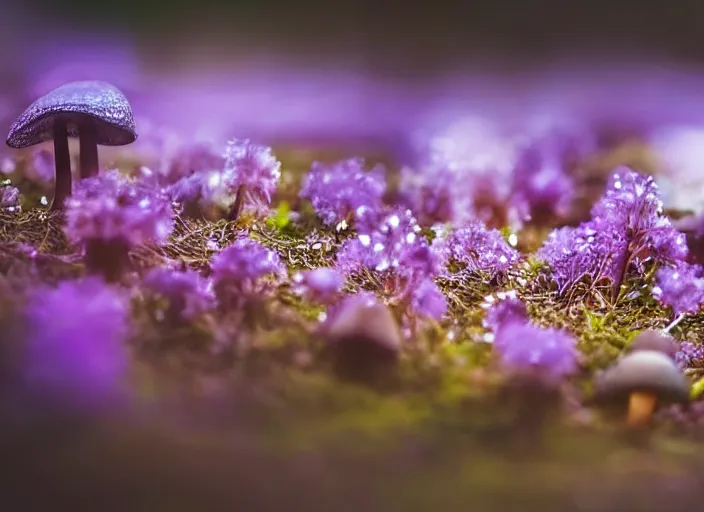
(652, 339)
(364, 337)
(95, 112)
(642, 379)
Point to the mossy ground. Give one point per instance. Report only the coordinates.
(260, 422)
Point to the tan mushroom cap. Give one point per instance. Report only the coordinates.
(643, 371)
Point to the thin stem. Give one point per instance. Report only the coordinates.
(89, 149)
(674, 323)
(62, 158)
(237, 205)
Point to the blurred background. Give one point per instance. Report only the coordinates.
(360, 68)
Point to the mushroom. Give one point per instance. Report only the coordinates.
(95, 112)
(652, 339)
(643, 379)
(363, 336)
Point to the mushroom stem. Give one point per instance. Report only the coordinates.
(674, 323)
(640, 408)
(109, 258)
(237, 205)
(62, 159)
(89, 150)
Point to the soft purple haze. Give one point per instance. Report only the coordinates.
(213, 95)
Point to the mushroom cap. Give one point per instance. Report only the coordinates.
(362, 320)
(647, 371)
(652, 339)
(94, 100)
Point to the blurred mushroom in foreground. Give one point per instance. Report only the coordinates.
(643, 379)
(364, 338)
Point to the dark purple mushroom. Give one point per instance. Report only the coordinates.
(95, 112)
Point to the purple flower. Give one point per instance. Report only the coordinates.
(523, 346)
(76, 348)
(200, 191)
(680, 287)
(428, 301)
(396, 251)
(509, 309)
(587, 251)
(112, 207)
(690, 355)
(430, 194)
(320, 285)
(466, 175)
(41, 168)
(252, 172)
(344, 189)
(238, 271)
(188, 293)
(10, 198)
(632, 206)
(477, 249)
(627, 228)
(193, 158)
(542, 188)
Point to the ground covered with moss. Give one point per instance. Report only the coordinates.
(263, 423)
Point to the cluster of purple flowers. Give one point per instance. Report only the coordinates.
(239, 272)
(112, 206)
(252, 172)
(523, 346)
(396, 250)
(321, 285)
(681, 287)
(477, 249)
(475, 177)
(188, 293)
(475, 172)
(9, 198)
(71, 358)
(627, 229)
(198, 178)
(344, 190)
